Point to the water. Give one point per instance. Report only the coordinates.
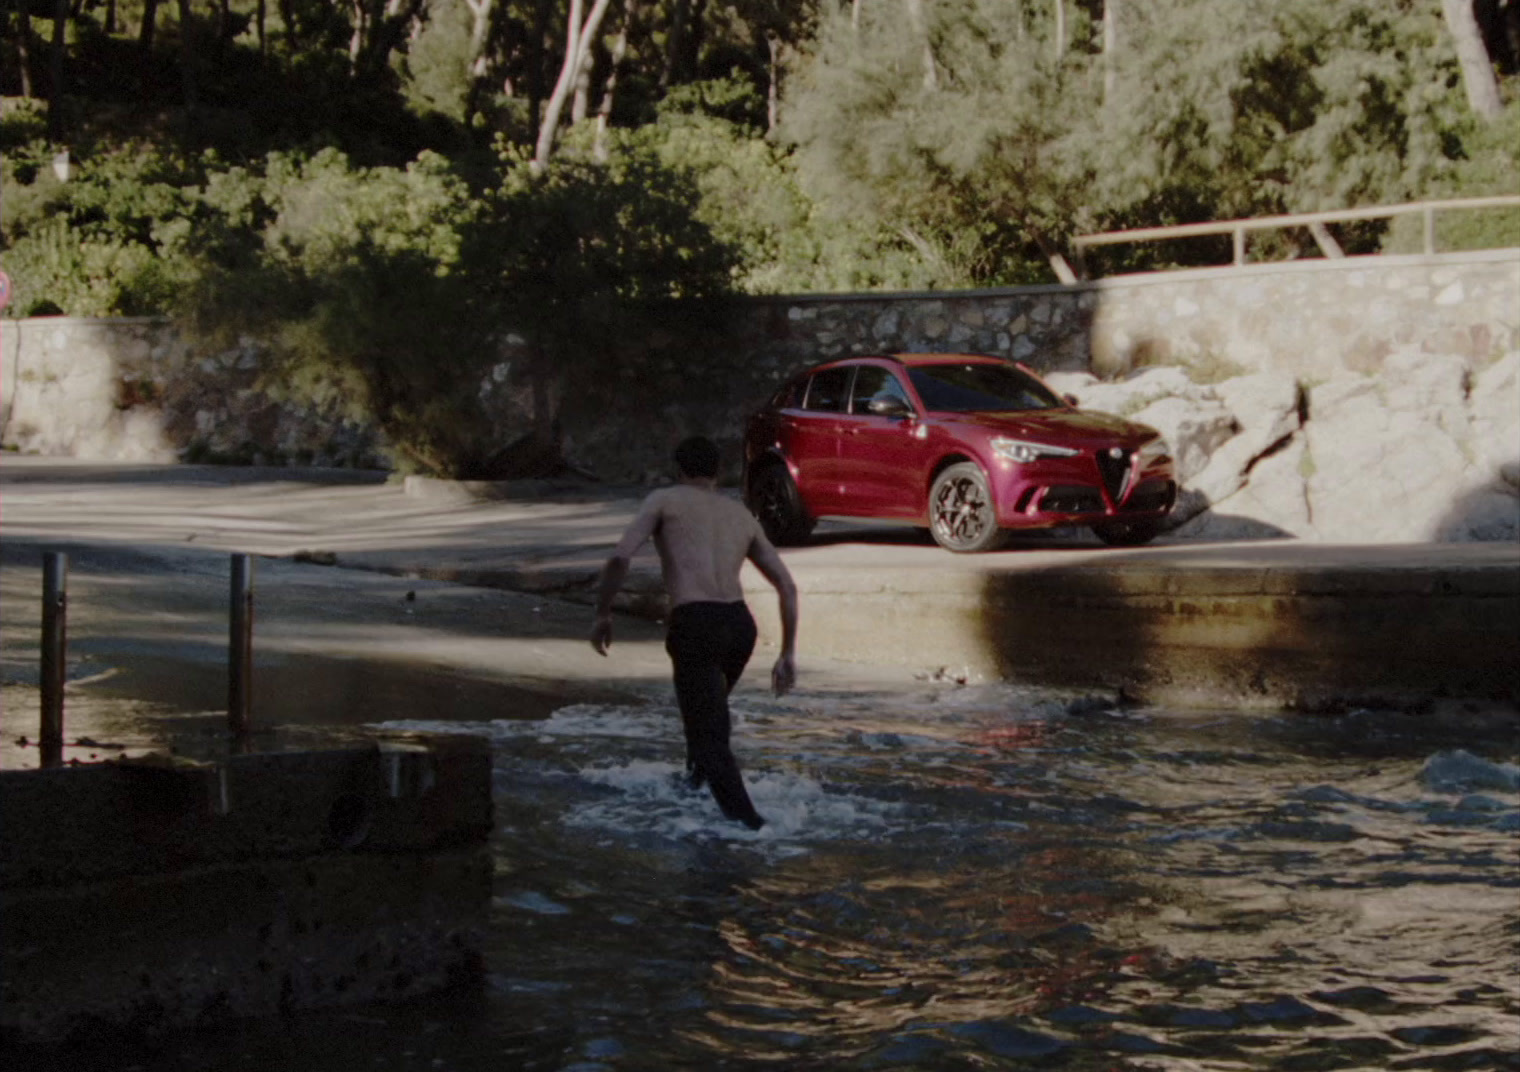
(972, 878)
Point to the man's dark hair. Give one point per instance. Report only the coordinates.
(697, 456)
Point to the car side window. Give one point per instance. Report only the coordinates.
(790, 395)
(873, 382)
(829, 391)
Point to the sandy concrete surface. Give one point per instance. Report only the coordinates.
(492, 583)
(148, 596)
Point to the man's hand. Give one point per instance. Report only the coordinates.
(601, 633)
(784, 673)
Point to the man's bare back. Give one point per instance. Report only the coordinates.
(703, 538)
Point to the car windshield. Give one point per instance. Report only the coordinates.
(977, 386)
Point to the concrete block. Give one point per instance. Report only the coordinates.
(138, 898)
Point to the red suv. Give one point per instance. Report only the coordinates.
(969, 445)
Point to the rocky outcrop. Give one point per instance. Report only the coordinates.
(1425, 448)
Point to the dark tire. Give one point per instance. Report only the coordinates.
(962, 516)
(774, 501)
(1127, 533)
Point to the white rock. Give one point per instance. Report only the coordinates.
(1495, 417)
(1380, 474)
(1195, 428)
(1265, 406)
(1069, 383)
(1276, 493)
(1273, 504)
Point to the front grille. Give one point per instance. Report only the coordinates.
(1152, 495)
(1071, 499)
(1115, 471)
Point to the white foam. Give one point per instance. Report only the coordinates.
(1459, 770)
(652, 800)
(533, 901)
(577, 720)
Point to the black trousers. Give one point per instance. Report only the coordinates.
(709, 645)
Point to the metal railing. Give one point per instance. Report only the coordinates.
(1315, 221)
(54, 653)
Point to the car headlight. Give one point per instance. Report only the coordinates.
(1021, 450)
(1156, 448)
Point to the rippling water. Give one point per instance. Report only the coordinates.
(974, 878)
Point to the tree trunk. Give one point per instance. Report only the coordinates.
(288, 20)
(578, 40)
(915, 12)
(1477, 69)
(480, 27)
(55, 69)
(675, 44)
(1110, 49)
(609, 91)
(775, 46)
(360, 11)
(537, 55)
(187, 62)
(1060, 29)
(580, 103)
(261, 15)
(23, 47)
(145, 33)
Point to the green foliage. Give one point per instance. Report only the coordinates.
(986, 148)
(1490, 166)
(584, 261)
(956, 134)
(749, 195)
(107, 242)
(349, 278)
(437, 65)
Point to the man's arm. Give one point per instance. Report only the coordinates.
(768, 562)
(615, 571)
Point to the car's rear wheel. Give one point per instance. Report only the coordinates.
(775, 503)
(1127, 533)
(962, 516)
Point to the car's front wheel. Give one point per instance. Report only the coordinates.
(775, 503)
(962, 516)
(1127, 533)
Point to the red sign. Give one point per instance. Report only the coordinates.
(5, 290)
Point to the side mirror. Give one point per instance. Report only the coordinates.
(889, 406)
(1071, 400)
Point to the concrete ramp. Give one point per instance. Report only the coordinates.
(1278, 625)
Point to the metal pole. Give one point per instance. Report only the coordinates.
(55, 571)
(240, 647)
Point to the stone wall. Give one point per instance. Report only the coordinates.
(130, 389)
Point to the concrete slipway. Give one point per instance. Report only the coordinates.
(1269, 624)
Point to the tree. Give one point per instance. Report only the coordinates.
(979, 170)
(580, 33)
(351, 280)
(581, 258)
(1477, 69)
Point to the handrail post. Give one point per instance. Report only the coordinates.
(1240, 245)
(240, 647)
(1430, 230)
(55, 571)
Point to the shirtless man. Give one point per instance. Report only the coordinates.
(703, 539)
